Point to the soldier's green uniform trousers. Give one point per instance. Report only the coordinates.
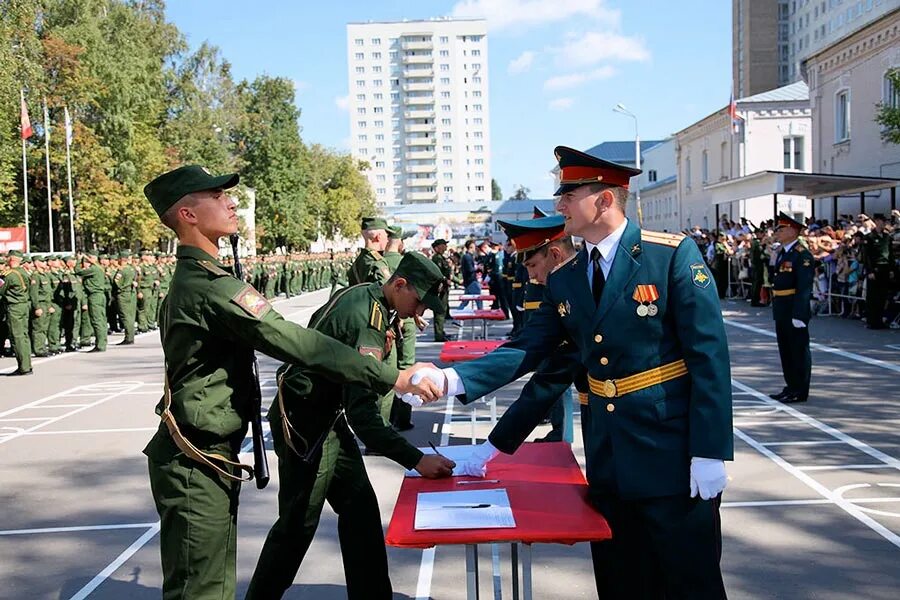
(338, 476)
(54, 323)
(143, 305)
(198, 529)
(401, 412)
(18, 333)
(71, 324)
(97, 315)
(86, 329)
(440, 318)
(152, 300)
(39, 327)
(125, 303)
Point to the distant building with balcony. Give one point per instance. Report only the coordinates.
(419, 111)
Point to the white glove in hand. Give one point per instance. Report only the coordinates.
(477, 466)
(708, 477)
(470, 469)
(434, 375)
(798, 323)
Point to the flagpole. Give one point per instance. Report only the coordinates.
(49, 193)
(25, 182)
(69, 177)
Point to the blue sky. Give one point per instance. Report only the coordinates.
(557, 67)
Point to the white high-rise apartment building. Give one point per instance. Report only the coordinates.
(419, 110)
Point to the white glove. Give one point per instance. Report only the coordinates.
(798, 323)
(708, 477)
(434, 375)
(468, 468)
(477, 465)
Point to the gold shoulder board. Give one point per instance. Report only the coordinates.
(658, 237)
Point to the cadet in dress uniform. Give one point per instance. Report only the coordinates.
(211, 323)
(791, 293)
(644, 316)
(318, 456)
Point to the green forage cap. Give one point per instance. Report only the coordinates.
(15, 253)
(374, 223)
(425, 277)
(169, 188)
(125, 254)
(394, 233)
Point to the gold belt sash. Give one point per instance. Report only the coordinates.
(209, 459)
(614, 388)
(582, 398)
(517, 285)
(789, 292)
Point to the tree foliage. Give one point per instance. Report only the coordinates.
(496, 194)
(142, 102)
(521, 193)
(888, 115)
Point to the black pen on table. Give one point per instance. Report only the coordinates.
(433, 447)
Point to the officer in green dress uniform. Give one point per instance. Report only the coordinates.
(641, 310)
(16, 295)
(211, 323)
(369, 265)
(791, 294)
(95, 298)
(879, 261)
(318, 457)
(443, 263)
(123, 287)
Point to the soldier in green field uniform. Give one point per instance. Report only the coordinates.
(54, 329)
(318, 457)
(123, 288)
(41, 295)
(112, 313)
(440, 316)
(72, 300)
(393, 409)
(879, 261)
(148, 283)
(211, 323)
(791, 293)
(16, 296)
(165, 280)
(4, 322)
(86, 330)
(95, 298)
(369, 265)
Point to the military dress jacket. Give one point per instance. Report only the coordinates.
(369, 267)
(16, 287)
(210, 321)
(793, 283)
(359, 317)
(650, 434)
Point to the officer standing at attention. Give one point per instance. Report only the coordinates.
(440, 316)
(16, 296)
(42, 295)
(791, 293)
(318, 456)
(878, 258)
(123, 288)
(95, 291)
(211, 322)
(73, 298)
(369, 265)
(642, 311)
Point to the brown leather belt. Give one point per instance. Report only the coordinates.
(614, 388)
(790, 292)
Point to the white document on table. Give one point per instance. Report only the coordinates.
(470, 509)
(458, 454)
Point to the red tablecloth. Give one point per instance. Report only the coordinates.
(467, 350)
(486, 314)
(547, 492)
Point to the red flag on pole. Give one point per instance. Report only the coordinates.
(735, 117)
(27, 130)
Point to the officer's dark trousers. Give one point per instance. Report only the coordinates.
(796, 362)
(340, 477)
(876, 297)
(662, 549)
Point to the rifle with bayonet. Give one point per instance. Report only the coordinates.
(260, 460)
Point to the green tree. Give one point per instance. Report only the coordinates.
(496, 194)
(521, 193)
(888, 114)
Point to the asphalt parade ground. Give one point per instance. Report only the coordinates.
(812, 509)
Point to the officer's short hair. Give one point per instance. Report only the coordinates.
(170, 217)
(620, 193)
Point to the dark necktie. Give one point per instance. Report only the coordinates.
(597, 279)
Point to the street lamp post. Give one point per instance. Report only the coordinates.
(620, 108)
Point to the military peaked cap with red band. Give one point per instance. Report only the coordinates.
(531, 235)
(786, 221)
(577, 169)
(537, 213)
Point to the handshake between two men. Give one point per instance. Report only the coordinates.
(708, 477)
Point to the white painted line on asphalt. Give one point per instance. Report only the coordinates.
(426, 565)
(81, 431)
(758, 423)
(26, 419)
(59, 406)
(839, 467)
(77, 529)
(804, 443)
(816, 346)
(811, 502)
(103, 575)
(44, 399)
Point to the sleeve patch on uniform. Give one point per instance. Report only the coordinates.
(699, 275)
(371, 351)
(251, 301)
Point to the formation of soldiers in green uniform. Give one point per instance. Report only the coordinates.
(51, 304)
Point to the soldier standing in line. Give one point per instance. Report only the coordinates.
(42, 294)
(123, 288)
(393, 409)
(313, 425)
(95, 291)
(440, 316)
(112, 314)
(54, 327)
(791, 293)
(878, 259)
(211, 324)
(16, 295)
(369, 265)
(72, 300)
(4, 322)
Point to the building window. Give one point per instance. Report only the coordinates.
(361, 124)
(378, 109)
(379, 164)
(444, 39)
(359, 55)
(376, 55)
(377, 83)
(445, 67)
(376, 69)
(890, 96)
(379, 137)
(793, 153)
(479, 148)
(704, 166)
(376, 41)
(360, 97)
(651, 175)
(687, 172)
(379, 123)
(358, 41)
(361, 110)
(360, 70)
(445, 122)
(377, 98)
(392, 55)
(444, 53)
(842, 116)
(445, 81)
(360, 83)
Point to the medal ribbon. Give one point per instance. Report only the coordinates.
(645, 293)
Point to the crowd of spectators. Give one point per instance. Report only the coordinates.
(741, 254)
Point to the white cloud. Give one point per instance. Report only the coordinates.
(300, 86)
(561, 103)
(522, 63)
(523, 14)
(575, 79)
(343, 102)
(586, 49)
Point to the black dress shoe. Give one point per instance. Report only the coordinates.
(18, 372)
(95, 349)
(71, 349)
(125, 343)
(793, 399)
(780, 395)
